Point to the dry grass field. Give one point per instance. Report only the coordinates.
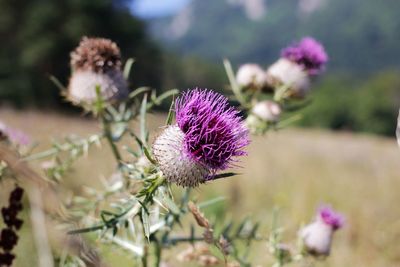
(294, 169)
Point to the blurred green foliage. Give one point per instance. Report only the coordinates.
(38, 35)
(185, 72)
(355, 94)
(359, 35)
(363, 103)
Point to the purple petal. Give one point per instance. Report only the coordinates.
(214, 132)
(331, 217)
(308, 53)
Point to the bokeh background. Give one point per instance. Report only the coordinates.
(352, 163)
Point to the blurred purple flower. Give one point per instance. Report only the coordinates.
(209, 134)
(330, 217)
(15, 136)
(308, 53)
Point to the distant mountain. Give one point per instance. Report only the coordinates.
(362, 35)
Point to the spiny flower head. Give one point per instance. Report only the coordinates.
(330, 217)
(206, 138)
(214, 133)
(96, 54)
(308, 53)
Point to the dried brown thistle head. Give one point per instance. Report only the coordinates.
(96, 54)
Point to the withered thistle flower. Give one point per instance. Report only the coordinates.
(8, 235)
(206, 138)
(317, 236)
(96, 62)
(199, 217)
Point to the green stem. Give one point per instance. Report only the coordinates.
(235, 87)
(144, 258)
(280, 93)
(108, 135)
(157, 252)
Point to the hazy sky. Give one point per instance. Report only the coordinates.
(157, 8)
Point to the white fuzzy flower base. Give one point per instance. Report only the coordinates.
(174, 162)
(82, 86)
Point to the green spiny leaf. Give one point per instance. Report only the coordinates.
(143, 120)
(146, 224)
(128, 67)
(170, 113)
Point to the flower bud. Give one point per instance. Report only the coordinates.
(267, 111)
(251, 76)
(289, 74)
(317, 236)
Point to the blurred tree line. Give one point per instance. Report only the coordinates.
(366, 103)
(38, 35)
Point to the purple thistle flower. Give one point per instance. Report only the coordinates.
(308, 53)
(330, 217)
(214, 132)
(15, 136)
(207, 137)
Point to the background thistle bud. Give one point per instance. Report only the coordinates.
(288, 73)
(267, 111)
(251, 76)
(206, 138)
(317, 236)
(96, 62)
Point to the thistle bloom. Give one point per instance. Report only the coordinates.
(308, 53)
(206, 138)
(251, 76)
(317, 236)
(96, 62)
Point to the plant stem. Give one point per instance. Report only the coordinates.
(158, 250)
(108, 135)
(144, 258)
(235, 87)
